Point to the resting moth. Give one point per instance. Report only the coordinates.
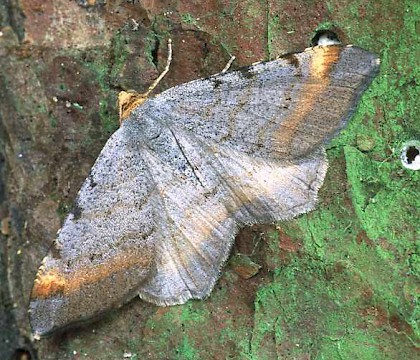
(159, 211)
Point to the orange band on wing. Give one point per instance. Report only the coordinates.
(54, 282)
(316, 84)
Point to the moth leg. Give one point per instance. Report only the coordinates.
(129, 100)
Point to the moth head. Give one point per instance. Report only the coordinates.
(128, 101)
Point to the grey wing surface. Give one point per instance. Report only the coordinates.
(206, 192)
(106, 246)
(279, 109)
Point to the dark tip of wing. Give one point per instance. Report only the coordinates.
(217, 83)
(292, 59)
(246, 72)
(92, 182)
(76, 211)
(55, 251)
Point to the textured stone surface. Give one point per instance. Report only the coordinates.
(340, 282)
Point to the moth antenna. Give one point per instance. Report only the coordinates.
(129, 100)
(227, 67)
(164, 72)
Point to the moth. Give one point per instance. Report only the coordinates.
(159, 211)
